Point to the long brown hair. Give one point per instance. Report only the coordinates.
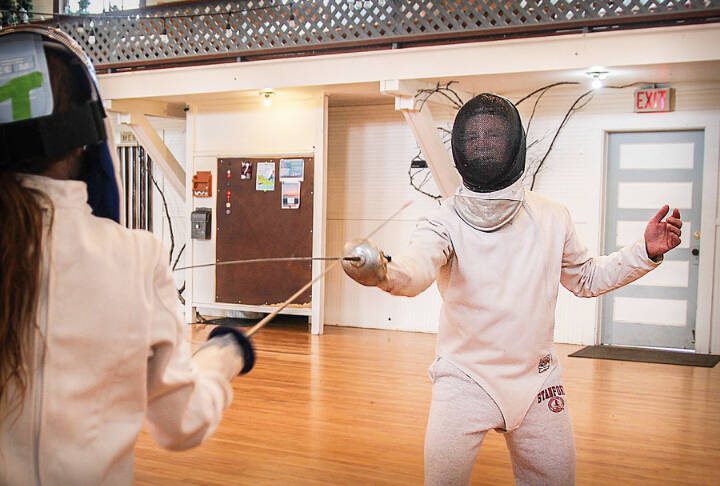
(21, 241)
(21, 220)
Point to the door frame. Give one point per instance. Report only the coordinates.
(707, 329)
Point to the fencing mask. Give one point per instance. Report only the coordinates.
(488, 146)
(31, 126)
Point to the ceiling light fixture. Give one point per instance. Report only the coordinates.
(597, 75)
(267, 96)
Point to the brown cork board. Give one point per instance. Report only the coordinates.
(256, 226)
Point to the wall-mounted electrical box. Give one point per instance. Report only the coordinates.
(200, 224)
(202, 183)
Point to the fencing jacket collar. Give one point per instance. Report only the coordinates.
(489, 211)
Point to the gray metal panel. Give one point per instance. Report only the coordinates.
(636, 334)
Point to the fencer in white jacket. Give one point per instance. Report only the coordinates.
(499, 253)
(101, 349)
(110, 352)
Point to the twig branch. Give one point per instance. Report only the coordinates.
(443, 90)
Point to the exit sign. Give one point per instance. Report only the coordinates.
(649, 100)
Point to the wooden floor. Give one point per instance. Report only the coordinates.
(349, 407)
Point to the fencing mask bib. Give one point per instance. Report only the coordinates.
(488, 147)
(30, 129)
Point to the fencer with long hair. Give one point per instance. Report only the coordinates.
(91, 337)
(498, 253)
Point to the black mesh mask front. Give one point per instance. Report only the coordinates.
(488, 143)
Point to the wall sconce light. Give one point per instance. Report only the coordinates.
(267, 96)
(597, 75)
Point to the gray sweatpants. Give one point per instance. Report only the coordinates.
(542, 449)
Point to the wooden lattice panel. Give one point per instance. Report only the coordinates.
(193, 31)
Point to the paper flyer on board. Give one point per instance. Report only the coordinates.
(290, 195)
(265, 176)
(292, 170)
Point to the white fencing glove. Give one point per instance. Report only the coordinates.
(227, 351)
(371, 267)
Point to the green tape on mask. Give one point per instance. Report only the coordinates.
(18, 92)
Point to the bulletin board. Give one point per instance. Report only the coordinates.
(261, 218)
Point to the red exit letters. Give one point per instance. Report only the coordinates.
(649, 100)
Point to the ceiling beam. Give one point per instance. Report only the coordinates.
(412, 87)
(149, 139)
(420, 120)
(147, 107)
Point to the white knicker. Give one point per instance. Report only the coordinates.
(542, 449)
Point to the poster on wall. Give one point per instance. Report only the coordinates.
(245, 170)
(265, 176)
(292, 170)
(290, 195)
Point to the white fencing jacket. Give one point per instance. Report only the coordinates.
(499, 291)
(110, 354)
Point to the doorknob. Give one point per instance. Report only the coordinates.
(695, 251)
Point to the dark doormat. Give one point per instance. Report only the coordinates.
(244, 322)
(231, 321)
(643, 355)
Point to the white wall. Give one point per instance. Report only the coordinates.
(218, 130)
(369, 151)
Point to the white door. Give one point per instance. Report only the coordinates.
(644, 171)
